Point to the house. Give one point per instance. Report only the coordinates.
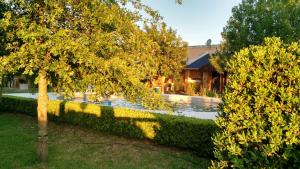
(19, 82)
(198, 72)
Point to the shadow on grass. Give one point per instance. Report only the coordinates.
(182, 132)
(76, 147)
(187, 133)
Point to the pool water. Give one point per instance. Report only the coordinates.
(208, 107)
(204, 110)
(176, 106)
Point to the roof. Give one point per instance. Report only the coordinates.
(198, 56)
(200, 62)
(195, 51)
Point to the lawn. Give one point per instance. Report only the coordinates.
(72, 147)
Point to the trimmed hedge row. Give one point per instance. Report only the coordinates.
(183, 132)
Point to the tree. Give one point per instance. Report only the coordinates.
(3, 9)
(70, 45)
(259, 118)
(253, 20)
(170, 52)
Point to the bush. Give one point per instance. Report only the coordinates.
(213, 93)
(260, 112)
(183, 132)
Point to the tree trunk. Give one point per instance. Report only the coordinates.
(162, 82)
(42, 145)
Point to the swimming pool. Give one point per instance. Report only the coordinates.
(191, 106)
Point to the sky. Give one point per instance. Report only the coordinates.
(196, 21)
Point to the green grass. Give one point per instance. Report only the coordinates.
(72, 147)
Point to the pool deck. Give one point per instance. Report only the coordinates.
(168, 97)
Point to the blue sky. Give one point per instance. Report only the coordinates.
(196, 21)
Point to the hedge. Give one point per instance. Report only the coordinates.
(183, 132)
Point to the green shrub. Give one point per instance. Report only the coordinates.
(260, 117)
(212, 94)
(203, 91)
(20, 105)
(183, 132)
(193, 89)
